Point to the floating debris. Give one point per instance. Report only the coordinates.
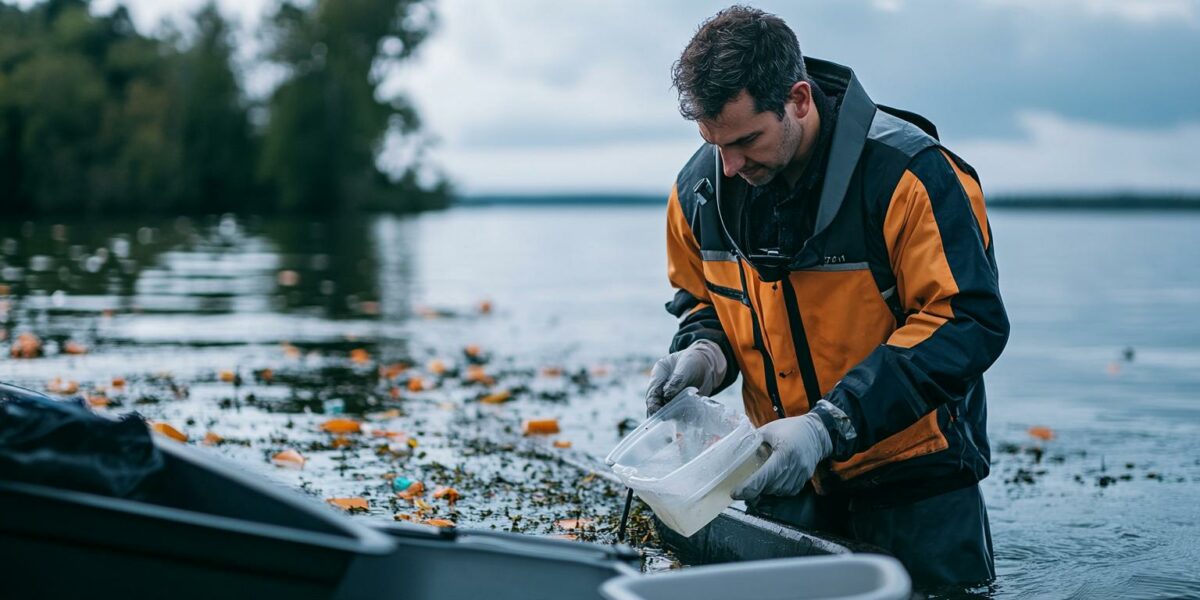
(573, 524)
(562, 443)
(1042, 433)
(63, 387)
(540, 426)
(499, 397)
(449, 494)
(26, 345)
(288, 459)
(212, 439)
(341, 426)
(413, 490)
(169, 431)
(351, 505)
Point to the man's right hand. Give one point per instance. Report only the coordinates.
(701, 365)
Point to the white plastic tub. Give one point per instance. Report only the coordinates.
(686, 459)
(846, 577)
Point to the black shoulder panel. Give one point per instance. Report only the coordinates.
(695, 184)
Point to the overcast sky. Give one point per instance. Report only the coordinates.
(541, 96)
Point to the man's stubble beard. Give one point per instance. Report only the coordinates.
(789, 142)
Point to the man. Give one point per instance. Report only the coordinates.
(836, 255)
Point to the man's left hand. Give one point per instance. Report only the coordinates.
(797, 445)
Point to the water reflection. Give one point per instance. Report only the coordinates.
(61, 279)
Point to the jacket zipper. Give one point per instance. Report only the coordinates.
(808, 373)
(768, 364)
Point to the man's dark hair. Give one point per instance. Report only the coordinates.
(738, 48)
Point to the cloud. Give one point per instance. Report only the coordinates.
(1059, 154)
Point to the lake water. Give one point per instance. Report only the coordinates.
(1105, 349)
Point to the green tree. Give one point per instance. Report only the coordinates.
(328, 118)
(217, 143)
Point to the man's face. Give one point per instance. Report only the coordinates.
(755, 145)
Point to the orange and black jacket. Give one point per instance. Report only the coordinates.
(890, 311)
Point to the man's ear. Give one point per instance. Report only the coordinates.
(800, 99)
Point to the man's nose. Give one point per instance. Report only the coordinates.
(732, 161)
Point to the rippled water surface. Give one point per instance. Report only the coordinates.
(1105, 351)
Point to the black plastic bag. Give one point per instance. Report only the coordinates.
(64, 444)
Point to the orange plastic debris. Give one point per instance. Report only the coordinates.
(26, 345)
(473, 350)
(340, 441)
(476, 374)
(62, 386)
(537, 426)
(74, 348)
(562, 443)
(392, 371)
(169, 431)
(228, 376)
(360, 356)
(289, 350)
(414, 490)
(341, 426)
(552, 372)
(266, 375)
(350, 504)
(288, 459)
(402, 517)
(485, 307)
(499, 397)
(118, 382)
(437, 367)
(383, 415)
(1042, 433)
(98, 401)
(416, 384)
(573, 524)
(212, 439)
(439, 522)
(412, 442)
(450, 494)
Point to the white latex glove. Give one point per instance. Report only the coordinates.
(701, 365)
(797, 445)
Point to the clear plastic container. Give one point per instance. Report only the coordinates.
(686, 460)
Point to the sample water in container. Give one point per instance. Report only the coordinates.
(686, 460)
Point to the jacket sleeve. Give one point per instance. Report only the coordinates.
(692, 304)
(939, 243)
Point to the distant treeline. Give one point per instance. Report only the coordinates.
(96, 117)
(1047, 201)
